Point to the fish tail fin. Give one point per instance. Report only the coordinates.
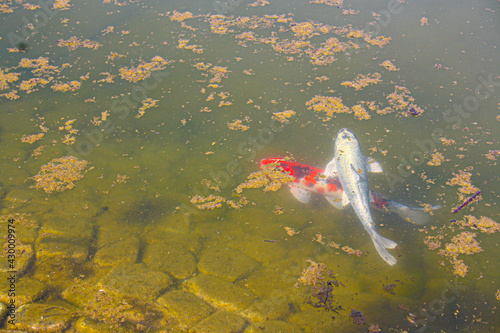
(382, 244)
(409, 214)
(415, 215)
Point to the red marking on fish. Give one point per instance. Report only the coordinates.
(309, 176)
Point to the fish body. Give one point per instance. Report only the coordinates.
(351, 167)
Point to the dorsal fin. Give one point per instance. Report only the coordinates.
(331, 168)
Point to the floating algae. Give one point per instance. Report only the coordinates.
(463, 179)
(313, 274)
(60, 174)
(328, 105)
(484, 224)
(362, 81)
(387, 64)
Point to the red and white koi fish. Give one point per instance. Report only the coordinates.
(309, 179)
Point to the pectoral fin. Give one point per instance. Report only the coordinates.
(345, 199)
(372, 165)
(337, 203)
(300, 194)
(331, 168)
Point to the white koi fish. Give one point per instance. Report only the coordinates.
(351, 166)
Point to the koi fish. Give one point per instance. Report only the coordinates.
(351, 166)
(309, 179)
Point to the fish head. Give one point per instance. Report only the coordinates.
(346, 134)
(345, 140)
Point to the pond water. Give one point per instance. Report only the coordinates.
(128, 128)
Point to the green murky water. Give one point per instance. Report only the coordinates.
(126, 250)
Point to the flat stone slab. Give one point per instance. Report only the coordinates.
(76, 250)
(261, 251)
(265, 281)
(221, 322)
(166, 232)
(57, 272)
(27, 291)
(220, 293)
(107, 307)
(87, 325)
(173, 258)
(17, 198)
(185, 307)
(116, 252)
(24, 257)
(136, 281)
(3, 310)
(25, 227)
(312, 320)
(41, 318)
(68, 229)
(273, 326)
(226, 263)
(274, 307)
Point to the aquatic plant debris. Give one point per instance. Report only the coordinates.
(463, 243)
(362, 81)
(321, 286)
(313, 274)
(483, 224)
(463, 179)
(271, 178)
(60, 174)
(358, 318)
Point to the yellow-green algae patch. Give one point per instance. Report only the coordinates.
(463, 243)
